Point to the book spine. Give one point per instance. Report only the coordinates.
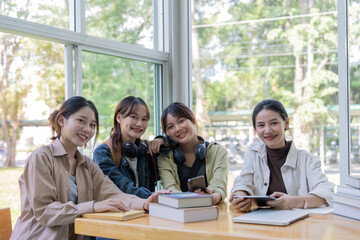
(346, 210)
(353, 181)
(349, 191)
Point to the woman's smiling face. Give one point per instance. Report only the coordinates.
(180, 129)
(270, 128)
(134, 125)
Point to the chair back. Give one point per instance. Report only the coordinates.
(5, 224)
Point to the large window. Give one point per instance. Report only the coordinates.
(108, 79)
(354, 62)
(247, 51)
(32, 85)
(107, 54)
(125, 21)
(52, 13)
(52, 50)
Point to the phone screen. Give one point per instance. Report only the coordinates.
(196, 183)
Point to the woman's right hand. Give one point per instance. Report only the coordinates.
(112, 204)
(154, 198)
(239, 203)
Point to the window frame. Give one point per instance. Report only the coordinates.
(344, 90)
(76, 40)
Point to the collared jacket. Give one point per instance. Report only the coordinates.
(216, 165)
(301, 173)
(46, 212)
(123, 176)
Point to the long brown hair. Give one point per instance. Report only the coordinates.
(125, 107)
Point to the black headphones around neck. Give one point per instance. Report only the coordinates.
(137, 149)
(200, 151)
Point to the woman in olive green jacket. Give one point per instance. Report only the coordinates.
(190, 155)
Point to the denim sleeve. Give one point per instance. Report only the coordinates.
(103, 158)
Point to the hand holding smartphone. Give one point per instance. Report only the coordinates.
(196, 183)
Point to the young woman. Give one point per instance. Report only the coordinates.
(186, 159)
(124, 158)
(275, 167)
(60, 184)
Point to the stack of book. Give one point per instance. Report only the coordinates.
(347, 199)
(184, 207)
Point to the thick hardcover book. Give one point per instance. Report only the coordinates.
(348, 190)
(348, 200)
(185, 200)
(121, 216)
(354, 180)
(345, 210)
(184, 215)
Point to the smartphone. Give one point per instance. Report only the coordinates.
(196, 183)
(260, 200)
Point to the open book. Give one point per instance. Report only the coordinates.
(121, 216)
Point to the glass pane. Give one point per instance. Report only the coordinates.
(247, 51)
(354, 58)
(125, 21)
(108, 79)
(31, 86)
(53, 13)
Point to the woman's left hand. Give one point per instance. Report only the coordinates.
(154, 145)
(215, 195)
(283, 201)
(154, 198)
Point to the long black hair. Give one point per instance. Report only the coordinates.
(178, 110)
(269, 104)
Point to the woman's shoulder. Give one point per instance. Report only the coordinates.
(256, 146)
(302, 153)
(216, 147)
(38, 155)
(102, 149)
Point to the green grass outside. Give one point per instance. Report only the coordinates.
(9, 191)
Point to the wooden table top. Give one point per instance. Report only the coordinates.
(313, 227)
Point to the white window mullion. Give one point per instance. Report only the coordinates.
(68, 62)
(168, 80)
(180, 51)
(344, 90)
(79, 28)
(78, 71)
(80, 16)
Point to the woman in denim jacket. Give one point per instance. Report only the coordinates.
(123, 157)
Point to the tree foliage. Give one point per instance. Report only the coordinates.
(286, 50)
(108, 79)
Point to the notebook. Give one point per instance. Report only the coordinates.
(271, 217)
